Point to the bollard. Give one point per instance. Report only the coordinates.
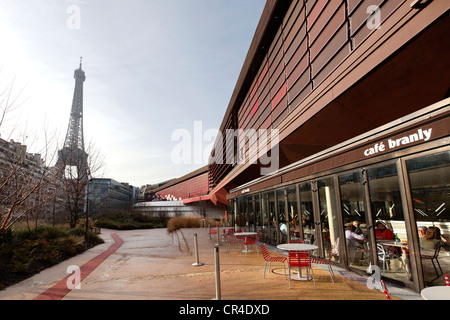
(218, 235)
(209, 233)
(216, 258)
(197, 263)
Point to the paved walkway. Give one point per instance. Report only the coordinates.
(154, 265)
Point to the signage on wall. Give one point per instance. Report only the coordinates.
(392, 143)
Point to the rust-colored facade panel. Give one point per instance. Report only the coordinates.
(191, 188)
(299, 62)
(318, 60)
(333, 27)
(321, 72)
(338, 44)
(363, 21)
(320, 23)
(296, 37)
(315, 11)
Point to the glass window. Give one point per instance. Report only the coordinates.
(230, 216)
(272, 218)
(282, 223)
(265, 217)
(353, 211)
(429, 179)
(241, 213)
(328, 216)
(390, 228)
(294, 232)
(250, 215)
(307, 212)
(258, 217)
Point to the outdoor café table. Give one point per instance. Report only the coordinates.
(436, 293)
(224, 229)
(245, 234)
(298, 247)
(402, 245)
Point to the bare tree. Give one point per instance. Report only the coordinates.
(75, 180)
(26, 183)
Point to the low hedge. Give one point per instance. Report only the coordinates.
(129, 221)
(24, 253)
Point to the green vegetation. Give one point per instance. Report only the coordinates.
(25, 252)
(129, 221)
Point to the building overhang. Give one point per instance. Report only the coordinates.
(400, 69)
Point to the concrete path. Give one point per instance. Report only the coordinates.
(154, 265)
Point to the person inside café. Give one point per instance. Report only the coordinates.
(353, 241)
(358, 229)
(434, 237)
(382, 232)
(422, 230)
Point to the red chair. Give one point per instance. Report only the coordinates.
(325, 261)
(447, 281)
(268, 258)
(385, 290)
(434, 258)
(251, 240)
(212, 231)
(300, 259)
(232, 239)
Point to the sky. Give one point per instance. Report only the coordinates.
(154, 68)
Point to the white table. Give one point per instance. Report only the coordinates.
(436, 293)
(224, 231)
(246, 234)
(403, 246)
(298, 247)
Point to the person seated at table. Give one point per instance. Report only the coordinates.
(283, 228)
(422, 230)
(307, 223)
(382, 232)
(353, 240)
(358, 229)
(433, 237)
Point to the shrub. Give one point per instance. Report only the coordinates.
(176, 223)
(129, 221)
(26, 252)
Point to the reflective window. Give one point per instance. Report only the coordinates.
(353, 211)
(390, 228)
(250, 215)
(328, 216)
(272, 218)
(293, 216)
(429, 179)
(257, 213)
(282, 222)
(265, 217)
(307, 212)
(230, 215)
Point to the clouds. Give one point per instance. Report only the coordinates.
(152, 66)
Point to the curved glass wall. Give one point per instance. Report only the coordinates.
(429, 179)
(328, 229)
(363, 218)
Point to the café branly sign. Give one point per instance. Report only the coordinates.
(421, 135)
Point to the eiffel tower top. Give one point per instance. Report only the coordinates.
(79, 73)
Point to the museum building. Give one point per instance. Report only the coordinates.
(339, 122)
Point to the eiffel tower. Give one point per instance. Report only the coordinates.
(73, 154)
